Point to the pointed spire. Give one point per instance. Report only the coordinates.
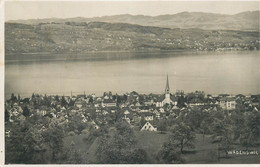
(167, 88)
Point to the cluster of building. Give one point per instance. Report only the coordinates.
(142, 111)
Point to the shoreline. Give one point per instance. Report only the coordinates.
(131, 51)
(99, 94)
(86, 55)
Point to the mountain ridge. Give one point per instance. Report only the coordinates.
(248, 20)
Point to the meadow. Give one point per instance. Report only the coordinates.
(205, 152)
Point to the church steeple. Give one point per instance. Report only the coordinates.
(167, 88)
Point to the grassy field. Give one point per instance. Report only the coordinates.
(151, 142)
(204, 152)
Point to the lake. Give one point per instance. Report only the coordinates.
(144, 72)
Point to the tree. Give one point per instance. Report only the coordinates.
(33, 96)
(53, 137)
(7, 116)
(181, 101)
(162, 125)
(124, 97)
(63, 102)
(121, 147)
(26, 111)
(253, 123)
(71, 103)
(13, 98)
(14, 145)
(118, 99)
(170, 153)
(46, 101)
(194, 119)
(57, 98)
(250, 132)
(222, 135)
(71, 155)
(76, 124)
(25, 144)
(183, 136)
(141, 99)
(90, 100)
(35, 146)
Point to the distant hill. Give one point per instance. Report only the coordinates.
(208, 21)
(82, 37)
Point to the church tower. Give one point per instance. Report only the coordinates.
(167, 92)
(167, 88)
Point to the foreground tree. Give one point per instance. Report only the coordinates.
(25, 144)
(71, 155)
(223, 135)
(170, 153)
(53, 137)
(182, 136)
(249, 134)
(121, 147)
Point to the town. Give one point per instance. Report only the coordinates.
(85, 114)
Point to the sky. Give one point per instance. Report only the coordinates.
(15, 10)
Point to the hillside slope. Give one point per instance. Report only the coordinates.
(81, 37)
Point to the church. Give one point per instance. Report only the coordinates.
(168, 98)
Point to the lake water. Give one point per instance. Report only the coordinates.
(214, 73)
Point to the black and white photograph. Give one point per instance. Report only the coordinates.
(131, 82)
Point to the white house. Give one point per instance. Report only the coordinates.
(148, 127)
(227, 103)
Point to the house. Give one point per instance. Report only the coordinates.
(53, 115)
(79, 103)
(84, 120)
(126, 112)
(42, 111)
(144, 109)
(127, 119)
(96, 104)
(14, 112)
(137, 104)
(196, 102)
(159, 102)
(147, 116)
(161, 110)
(148, 127)
(136, 118)
(104, 112)
(7, 133)
(174, 108)
(113, 109)
(134, 108)
(95, 126)
(98, 110)
(148, 102)
(63, 108)
(157, 114)
(227, 103)
(108, 103)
